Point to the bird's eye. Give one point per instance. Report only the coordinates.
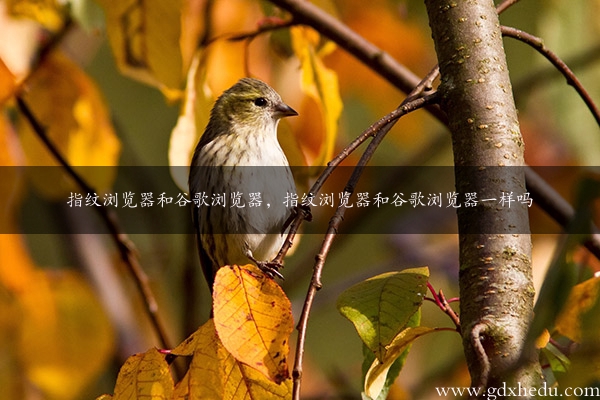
(260, 102)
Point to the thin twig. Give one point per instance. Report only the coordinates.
(440, 300)
(544, 74)
(449, 311)
(379, 130)
(500, 8)
(538, 44)
(270, 25)
(125, 246)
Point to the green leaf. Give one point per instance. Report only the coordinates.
(381, 307)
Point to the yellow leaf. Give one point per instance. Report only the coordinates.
(542, 340)
(48, 13)
(320, 83)
(253, 319)
(215, 374)
(582, 297)
(205, 376)
(244, 382)
(68, 104)
(144, 37)
(144, 376)
(375, 377)
(194, 116)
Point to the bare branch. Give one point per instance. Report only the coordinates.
(269, 25)
(572, 80)
(125, 246)
(440, 300)
(500, 8)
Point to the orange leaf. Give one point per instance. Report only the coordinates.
(253, 318)
(244, 382)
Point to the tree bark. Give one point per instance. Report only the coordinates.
(496, 288)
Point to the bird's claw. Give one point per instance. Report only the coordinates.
(304, 209)
(270, 268)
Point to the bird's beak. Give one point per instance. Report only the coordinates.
(283, 110)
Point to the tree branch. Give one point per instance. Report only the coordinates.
(559, 64)
(124, 245)
(500, 8)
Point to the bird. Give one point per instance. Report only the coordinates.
(239, 153)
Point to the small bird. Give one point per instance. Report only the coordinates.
(239, 153)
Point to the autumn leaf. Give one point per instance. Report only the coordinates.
(205, 376)
(215, 374)
(69, 105)
(320, 83)
(381, 307)
(144, 376)
(253, 319)
(144, 37)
